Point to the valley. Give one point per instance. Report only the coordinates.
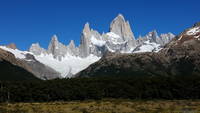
(99, 56)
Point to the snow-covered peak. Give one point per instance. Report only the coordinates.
(119, 25)
(54, 38)
(120, 17)
(86, 29)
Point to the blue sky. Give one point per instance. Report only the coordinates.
(28, 21)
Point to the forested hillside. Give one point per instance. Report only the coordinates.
(158, 87)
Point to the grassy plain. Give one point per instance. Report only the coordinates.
(105, 106)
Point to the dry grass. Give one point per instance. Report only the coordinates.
(105, 106)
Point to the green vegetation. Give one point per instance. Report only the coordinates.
(129, 87)
(105, 106)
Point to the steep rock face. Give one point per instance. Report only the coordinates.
(11, 68)
(8, 56)
(122, 28)
(166, 38)
(85, 41)
(180, 57)
(153, 37)
(72, 49)
(39, 69)
(57, 49)
(91, 42)
(28, 62)
(37, 50)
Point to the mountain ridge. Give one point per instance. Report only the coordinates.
(12, 69)
(178, 57)
(91, 40)
(67, 60)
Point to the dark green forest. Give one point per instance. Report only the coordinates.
(14, 73)
(129, 87)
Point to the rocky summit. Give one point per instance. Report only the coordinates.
(120, 38)
(60, 60)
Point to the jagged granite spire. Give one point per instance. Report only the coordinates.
(53, 45)
(166, 38)
(84, 46)
(154, 36)
(57, 49)
(117, 24)
(72, 49)
(72, 44)
(86, 29)
(121, 27)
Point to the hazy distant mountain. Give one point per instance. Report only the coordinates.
(179, 57)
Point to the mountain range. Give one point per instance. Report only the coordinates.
(179, 57)
(66, 61)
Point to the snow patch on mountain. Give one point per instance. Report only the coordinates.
(115, 39)
(97, 42)
(17, 53)
(193, 31)
(111, 34)
(148, 47)
(69, 65)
